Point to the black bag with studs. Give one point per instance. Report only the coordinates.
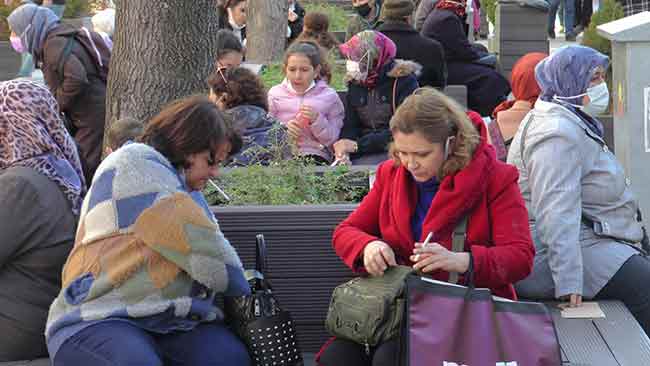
(266, 329)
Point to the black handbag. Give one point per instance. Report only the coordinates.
(266, 329)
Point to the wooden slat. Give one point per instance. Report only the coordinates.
(301, 263)
(580, 341)
(625, 337)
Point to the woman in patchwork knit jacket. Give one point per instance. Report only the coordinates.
(139, 285)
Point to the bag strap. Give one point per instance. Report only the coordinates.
(458, 244)
(395, 95)
(260, 254)
(522, 140)
(63, 57)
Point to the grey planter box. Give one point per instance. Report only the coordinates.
(301, 263)
(518, 30)
(9, 61)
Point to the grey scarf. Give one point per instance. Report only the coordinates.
(32, 23)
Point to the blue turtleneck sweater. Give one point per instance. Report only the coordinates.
(426, 191)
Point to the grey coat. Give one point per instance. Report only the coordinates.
(568, 173)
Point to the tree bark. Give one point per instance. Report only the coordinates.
(163, 50)
(266, 30)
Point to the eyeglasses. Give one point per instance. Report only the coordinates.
(223, 76)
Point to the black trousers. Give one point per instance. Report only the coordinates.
(630, 285)
(584, 10)
(347, 353)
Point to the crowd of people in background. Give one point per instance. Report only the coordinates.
(122, 290)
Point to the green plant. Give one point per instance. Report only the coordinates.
(338, 16)
(76, 8)
(287, 182)
(609, 11)
(5, 10)
(290, 182)
(490, 7)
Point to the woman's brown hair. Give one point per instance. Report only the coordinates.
(241, 86)
(437, 117)
(185, 127)
(316, 28)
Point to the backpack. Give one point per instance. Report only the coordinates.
(94, 46)
(98, 52)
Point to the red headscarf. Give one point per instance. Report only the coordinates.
(456, 6)
(523, 82)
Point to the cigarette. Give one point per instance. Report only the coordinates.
(426, 242)
(216, 187)
(427, 239)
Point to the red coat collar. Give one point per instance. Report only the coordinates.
(457, 195)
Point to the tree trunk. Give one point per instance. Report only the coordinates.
(163, 50)
(266, 30)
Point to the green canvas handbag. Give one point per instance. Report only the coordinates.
(369, 310)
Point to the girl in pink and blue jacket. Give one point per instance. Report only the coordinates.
(310, 109)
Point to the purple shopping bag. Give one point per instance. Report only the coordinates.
(451, 325)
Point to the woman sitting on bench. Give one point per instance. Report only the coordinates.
(508, 115)
(584, 217)
(442, 172)
(41, 188)
(377, 85)
(149, 258)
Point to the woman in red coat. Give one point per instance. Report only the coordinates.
(442, 171)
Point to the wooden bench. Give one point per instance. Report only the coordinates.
(304, 269)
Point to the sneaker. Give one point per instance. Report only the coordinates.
(551, 34)
(570, 37)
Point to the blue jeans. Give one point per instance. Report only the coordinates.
(569, 15)
(118, 343)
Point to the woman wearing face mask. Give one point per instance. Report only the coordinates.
(377, 85)
(442, 171)
(367, 16)
(77, 78)
(583, 214)
(232, 16)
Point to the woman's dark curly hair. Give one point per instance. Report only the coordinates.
(242, 87)
(185, 127)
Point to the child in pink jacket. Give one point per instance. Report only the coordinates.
(310, 109)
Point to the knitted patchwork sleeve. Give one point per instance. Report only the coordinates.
(178, 229)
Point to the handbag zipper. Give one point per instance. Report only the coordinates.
(367, 348)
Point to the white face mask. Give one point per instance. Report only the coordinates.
(598, 100)
(353, 69)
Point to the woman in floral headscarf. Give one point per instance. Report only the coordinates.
(509, 114)
(377, 85)
(583, 214)
(41, 189)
